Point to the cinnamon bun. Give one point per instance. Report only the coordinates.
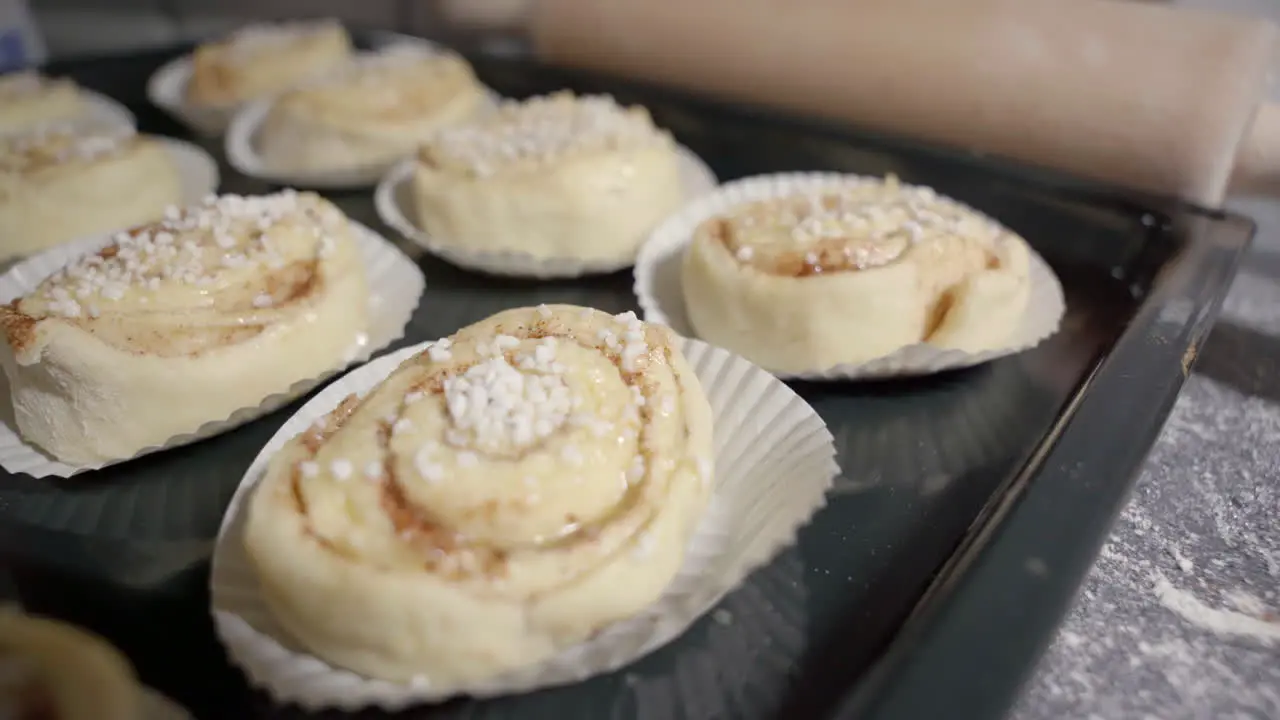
(502, 495)
(263, 59)
(815, 280)
(551, 177)
(370, 114)
(52, 671)
(59, 183)
(182, 322)
(28, 100)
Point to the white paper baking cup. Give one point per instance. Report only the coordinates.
(661, 296)
(395, 288)
(106, 111)
(167, 90)
(197, 170)
(395, 204)
(775, 462)
(156, 706)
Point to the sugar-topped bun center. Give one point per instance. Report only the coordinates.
(58, 144)
(860, 226)
(497, 443)
(210, 255)
(543, 130)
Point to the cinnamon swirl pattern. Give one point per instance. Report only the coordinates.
(182, 322)
(504, 494)
(449, 537)
(845, 276)
(358, 120)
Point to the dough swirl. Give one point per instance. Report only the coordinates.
(370, 113)
(503, 495)
(557, 176)
(182, 322)
(813, 280)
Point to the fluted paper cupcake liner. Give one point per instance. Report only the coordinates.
(394, 201)
(241, 146)
(395, 288)
(661, 296)
(167, 90)
(775, 462)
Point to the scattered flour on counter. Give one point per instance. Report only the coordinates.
(1184, 563)
(1250, 605)
(1264, 626)
(1178, 619)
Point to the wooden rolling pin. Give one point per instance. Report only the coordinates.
(1144, 95)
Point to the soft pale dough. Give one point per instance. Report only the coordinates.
(28, 100)
(552, 177)
(375, 112)
(49, 666)
(263, 59)
(501, 496)
(59, 184)
(808, 282)
(182, 322)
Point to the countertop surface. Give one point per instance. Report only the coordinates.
(1180, 617)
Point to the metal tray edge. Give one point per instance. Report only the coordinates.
(1038, 545)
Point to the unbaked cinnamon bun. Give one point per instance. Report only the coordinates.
(553, 177)
(52, 671)
(852, 273)
(28, 100)
(263, 59)
(60, 183)
(182, 322)
(370, 114)
(502, 495)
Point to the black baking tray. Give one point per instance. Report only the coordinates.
(970, 504)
